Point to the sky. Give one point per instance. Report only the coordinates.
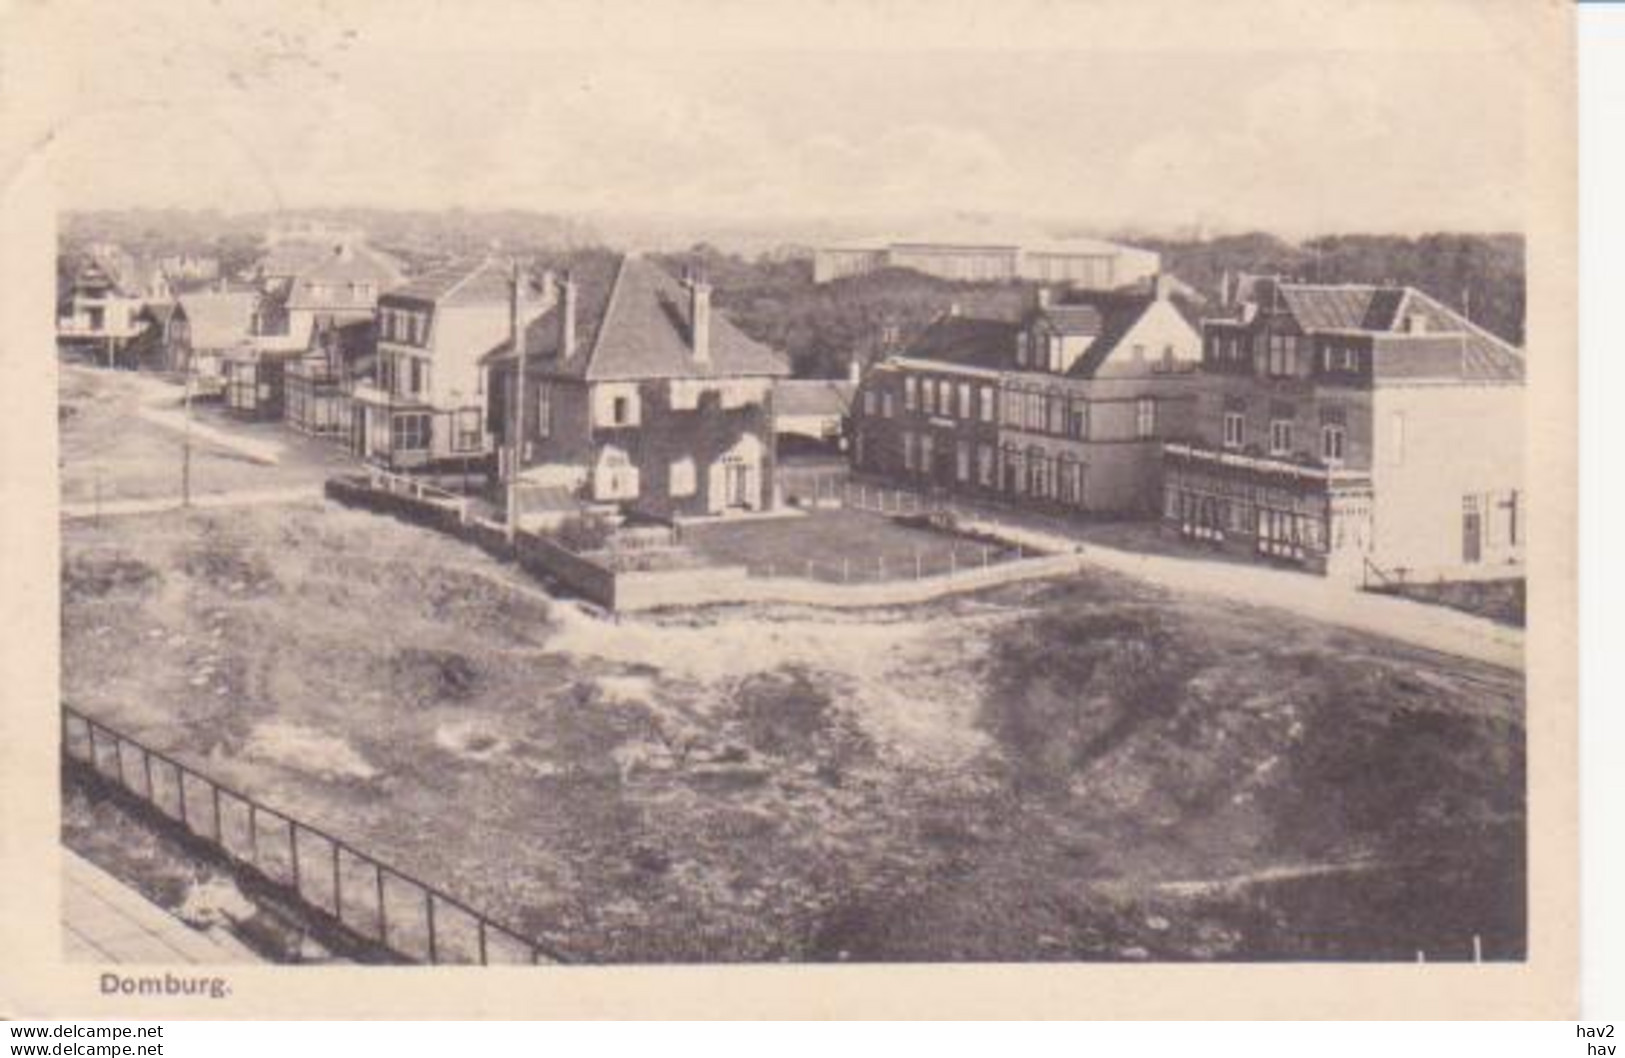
(342, 105)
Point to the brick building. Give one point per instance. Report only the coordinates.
(1348, 429)
(1065, 408)
(639, 395)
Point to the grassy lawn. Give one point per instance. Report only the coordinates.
(1090, 769)
(109, 451)
(839, 544)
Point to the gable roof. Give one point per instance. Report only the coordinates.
(1107, 316)
(812, 396)
(636, 326)
(218, 320)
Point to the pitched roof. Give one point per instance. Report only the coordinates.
(636, 326)
(1106, 316)
(218, 321)
(1385, 310)
(481, 283)
(1360, 308)
(812, 396)
(967, 342)
(344, 266)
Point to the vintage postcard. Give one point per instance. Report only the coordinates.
(1039, 508)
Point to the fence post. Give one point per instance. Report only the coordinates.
(483, 960)
(1478, 948)
(180, 792)
(338, 886)
(118, 760)
(219, 827)
(253, 834)
(434, 948)
(293, 854)
(146, 769)
(383, 921)
(846, 569)
(90, 734)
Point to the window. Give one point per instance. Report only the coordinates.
(962, 460)
(1283, 354)
(926, 453)
(683, 479)
(908, 450)
(1012, 409)
(1039, 466)
(544, 410)
(419, 375)
(965, 409)
(1280, 437)
(1079, 424)
(985, 468)
(620, 411)
(1071, 483)
(1145, 417)
(1022, 349)
(468, 430)
(1331, 443)
(911, 399)
(1057, 414)
(989, 411)
(945, 397)
(868, 402)
(1015, 470)
(1035, 411)
(1235, 429)
(928, 397)
(886, 405)
(410, 432)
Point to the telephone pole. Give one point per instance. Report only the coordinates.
(517, 452)
(186, 438)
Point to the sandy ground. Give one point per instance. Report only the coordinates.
(1090, 769)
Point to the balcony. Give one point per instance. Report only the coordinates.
(1200, 456)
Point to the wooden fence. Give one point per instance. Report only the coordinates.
(330, 877)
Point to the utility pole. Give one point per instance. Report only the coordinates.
(517, 452)
(186, 439)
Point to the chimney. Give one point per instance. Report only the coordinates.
(953, 308)
(854, 369)
(1041, 297)
(1160, 286)
(567, 316)
(699, 319)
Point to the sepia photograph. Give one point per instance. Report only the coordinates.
(732, 497)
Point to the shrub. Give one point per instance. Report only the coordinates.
(586, 531)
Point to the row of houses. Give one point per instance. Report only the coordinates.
(629, 391)
(1339, 428)
(1345, 429)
